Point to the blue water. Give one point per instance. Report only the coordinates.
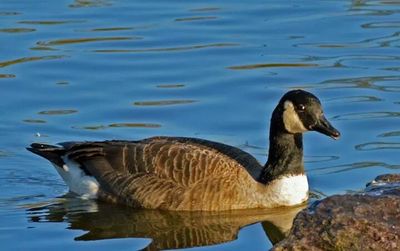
(115, 69)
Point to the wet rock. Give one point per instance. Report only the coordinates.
(369, 220)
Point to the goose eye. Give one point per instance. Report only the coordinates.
(301, 107)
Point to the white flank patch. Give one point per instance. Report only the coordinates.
(289, 190)
(78, 182)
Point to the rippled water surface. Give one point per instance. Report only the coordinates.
(115, 69)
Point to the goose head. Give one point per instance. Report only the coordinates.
(302, 111)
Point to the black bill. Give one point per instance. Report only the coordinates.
(323, 126)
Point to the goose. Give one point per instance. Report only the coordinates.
(192, 174)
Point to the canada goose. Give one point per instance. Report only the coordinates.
(177, 173)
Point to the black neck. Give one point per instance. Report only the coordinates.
(285, 155)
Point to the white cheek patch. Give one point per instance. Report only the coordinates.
(291, 119)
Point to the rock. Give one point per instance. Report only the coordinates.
(369, 220)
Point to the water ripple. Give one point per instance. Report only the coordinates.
(168, 49)
(372, 146)
(391, 68)
(317, 159)
(43, 48)
(17, 30)
(191, 19)
(384, 41)
(34, 121)
(147, 125)
(390, 134)
(58, 112)
(366, 115)
(380, 25)
(7, 76)
(62, 83)
(167, 86)
(83, 40)
(90, 3)
(23, 198)
(164, 102)
(345, 60)
(9, 13)
(206, 9)
(113, 29)
(354, 166)
(29, 59)
(360, 83)
(118, 125)
(270, 65)
(355, 99)
(4, 154)
(50, 22)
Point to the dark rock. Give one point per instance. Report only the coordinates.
(387, 178)
(369, 220)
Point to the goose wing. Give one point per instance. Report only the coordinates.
(164, 172)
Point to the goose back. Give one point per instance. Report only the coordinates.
(169, 172)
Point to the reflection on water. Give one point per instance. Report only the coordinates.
(171, 86)
(316, 159)
(353, 166)
(206, 9)
(62, 83)
(354, 99)
(361, 83)
(270, 65)
(378, 25)
(28, 59)
(114, 29)
(168, 49)
(90, 3)
(9, 13)
(34, 121)
(385, 41)
(7, 76)
(167, 229)
(390, 134)
(83, 40)
(371, 146)
(3, 154)
(164, 102)
(58, 112)
(17, 30)
(49, 22)
(366, 115)
(118, 125)
(191, 19)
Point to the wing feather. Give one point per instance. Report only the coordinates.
(163, 172)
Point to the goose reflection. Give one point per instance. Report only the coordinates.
(167, 229)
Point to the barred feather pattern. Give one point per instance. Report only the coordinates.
(170, 173)
(175, 173)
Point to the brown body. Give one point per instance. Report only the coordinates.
(171, 173)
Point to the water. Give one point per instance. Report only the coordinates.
(114, 69)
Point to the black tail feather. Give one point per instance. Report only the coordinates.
(49, 152)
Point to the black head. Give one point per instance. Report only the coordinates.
(302, 112)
